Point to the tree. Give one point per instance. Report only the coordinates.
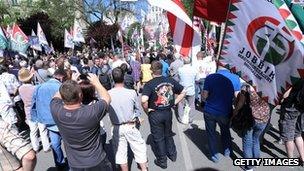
(102, 33)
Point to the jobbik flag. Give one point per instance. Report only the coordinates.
(68, 40)
(262, 47)
(19, 41)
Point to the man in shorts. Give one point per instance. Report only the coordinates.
(291, 122)
(17, 147)
(123, 113)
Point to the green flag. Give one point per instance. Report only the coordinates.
(3, 40)
(297, 11)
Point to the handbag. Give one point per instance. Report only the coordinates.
(243, 120)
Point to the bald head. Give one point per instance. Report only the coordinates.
(200, 55)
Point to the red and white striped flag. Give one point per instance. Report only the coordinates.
(186, 36)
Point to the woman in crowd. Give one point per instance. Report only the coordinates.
(261, 114)
(89, 97)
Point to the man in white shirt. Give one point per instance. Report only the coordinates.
(118, 61)
(205, 65)
(187, 75)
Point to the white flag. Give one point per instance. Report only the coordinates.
(41, 35)
(68, 40)
(262, 48)
(77, 32)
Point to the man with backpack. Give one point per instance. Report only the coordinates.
(291, 122)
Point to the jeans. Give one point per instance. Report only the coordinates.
(190, 100)
(223, 121)
(251, 141)
(199, 86)
(56, 148)
(161, 130)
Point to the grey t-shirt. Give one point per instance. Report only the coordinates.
(124, 105)
(80, 131)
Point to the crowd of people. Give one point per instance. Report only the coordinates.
(63, 98)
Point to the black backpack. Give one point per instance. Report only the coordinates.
(243, 120)
(105, 80)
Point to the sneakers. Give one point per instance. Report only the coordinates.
(227, 153)
(215, 158)
(173, 158)
(160, 164)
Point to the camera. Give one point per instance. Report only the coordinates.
(83, 76)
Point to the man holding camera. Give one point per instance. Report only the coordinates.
(79, 125)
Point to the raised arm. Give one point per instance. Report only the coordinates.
(103, 93)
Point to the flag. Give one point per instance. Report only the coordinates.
(34, 42)
(290, 20)
(77, 32)
(41, 35)
(19, 41)
(260, 46)
(297, 9)
(212, 10)
(8, 32)
(119, 36)
(173, 6)
(185, 34)
(299, 2)
(52, 48)
(68, 40)
(3, 40)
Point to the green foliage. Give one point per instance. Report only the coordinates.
(189, 6)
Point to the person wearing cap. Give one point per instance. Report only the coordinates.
(26, 91)
(158, 97)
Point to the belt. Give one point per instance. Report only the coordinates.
(126, 123)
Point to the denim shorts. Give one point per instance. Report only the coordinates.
(290, 124)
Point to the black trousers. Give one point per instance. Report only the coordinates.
(161, 130)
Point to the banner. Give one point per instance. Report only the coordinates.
(261, 48)
(34, 42)
(68, 40)
(19, 41)
(3, 40)
(77, 32)
(41, 35)
(297, 10)
(212, 10)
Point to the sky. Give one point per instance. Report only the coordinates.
(140, 4)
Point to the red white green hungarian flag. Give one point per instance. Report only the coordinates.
(3, 40)
(19, 41)
(263, 45)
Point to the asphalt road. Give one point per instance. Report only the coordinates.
(192, 148)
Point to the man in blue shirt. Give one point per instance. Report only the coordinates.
(165, 70)
(41, 112)
(218, 94)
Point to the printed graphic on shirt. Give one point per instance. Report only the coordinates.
(165, 95)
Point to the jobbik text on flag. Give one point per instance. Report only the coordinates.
(261, 47)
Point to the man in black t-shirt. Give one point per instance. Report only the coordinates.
(158, 98)
(79, 125)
